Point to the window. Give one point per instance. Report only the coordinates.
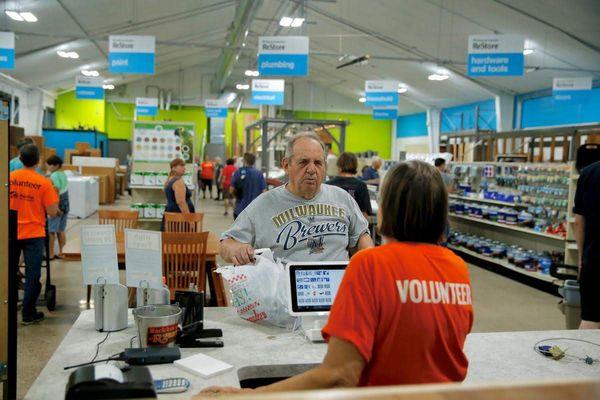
(49, 121)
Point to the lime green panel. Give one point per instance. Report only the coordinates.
(72, 113)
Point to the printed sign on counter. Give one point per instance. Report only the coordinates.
(99, 254)
(495, 55)
(89, 87)
(7, 50)
(146, 106)
(381, 93)
(568, 89)
(283, 55)
(385, 113)
(268, 91)
(143, 258)
(131, 54)
(216, 108)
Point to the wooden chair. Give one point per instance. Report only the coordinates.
(119, 218)
(184, 260)
(178, 222)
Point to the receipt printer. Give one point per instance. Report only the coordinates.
(94, 382)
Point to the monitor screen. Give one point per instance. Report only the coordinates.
(314, 286)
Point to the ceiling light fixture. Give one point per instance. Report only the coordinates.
(439, 76)
(288, 22)
(67, 54)
(87, 72)
(527, 52)
(14, 15)
(242, 86)
(29, 17)
(402, 88)
(297, 22)
(362, 99)
(21, 16)
(108, 87)
(250, 72)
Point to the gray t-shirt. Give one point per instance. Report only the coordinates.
(296, 229)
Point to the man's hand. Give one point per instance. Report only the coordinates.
(218, 391)
(236, 252)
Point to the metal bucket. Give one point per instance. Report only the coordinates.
(157, 325)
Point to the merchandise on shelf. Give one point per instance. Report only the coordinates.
(187, 179)
(149, 210)
(137, 178)
(149, 178)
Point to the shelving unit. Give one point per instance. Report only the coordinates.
(146, 187)
(506, 226)
(488, 201)
(571, 252)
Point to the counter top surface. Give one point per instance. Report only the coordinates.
(259, 351)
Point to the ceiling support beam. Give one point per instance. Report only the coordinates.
(72, 16)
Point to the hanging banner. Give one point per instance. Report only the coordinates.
(385, 113)
(131, 54)
(381, 93)
(268, 91)
(568, 89)
(216, 108)
(496, 55)
(283, 55)
(146, 106)
(89, 87)
(7, 50)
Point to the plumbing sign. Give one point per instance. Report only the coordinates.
(7, 50)
(89, 87)
(283, 55)
(495, 55)
(381, 93)
(385, 113)
(268, 91)
(131, 54)
(216, 108)
(568, 89)
(146, 106)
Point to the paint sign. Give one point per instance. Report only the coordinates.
(131, 54)
(381, 93)
(268, 91)
(146, 106)
(89, 87)
(215, 108)
(7, 50)
(569, 89)
(495, 55)
(143, 258)
(283, 55)
(387, 113)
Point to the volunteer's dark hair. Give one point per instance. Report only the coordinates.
(249, 158)
(414, 203)
(54, 160)
(230, 161)
(29, 155)
(24, 141)
(347, 162)
(439, 161)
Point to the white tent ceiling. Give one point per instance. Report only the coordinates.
(407, 40)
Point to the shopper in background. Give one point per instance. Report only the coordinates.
(57, 225)
(409, 281)
(225, 182)
(303, 220)
(32, 196)
(440, 164)
(16, 163)
(218, 170)
(347, 180)
(207, 174)
(587, 235)
(179, 196)
(247, 183)
(371, 174)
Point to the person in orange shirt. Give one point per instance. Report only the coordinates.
(32, 196)
(207, 175)
(404, 309)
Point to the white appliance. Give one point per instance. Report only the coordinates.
(84, 195)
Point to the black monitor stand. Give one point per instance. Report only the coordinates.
(193, 331)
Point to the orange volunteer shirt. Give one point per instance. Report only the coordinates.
(30, 194)
(407, 308)
(208, 170)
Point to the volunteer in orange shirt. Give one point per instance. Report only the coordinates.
(32, 196)
(207, 175)
(404, 309)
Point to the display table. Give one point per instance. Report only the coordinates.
(258, 351)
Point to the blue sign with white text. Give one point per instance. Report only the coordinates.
(268, 98)
(283, 55)
(385, 113)
(381, 98)
(216, 112)
(89, 92)
(131, 54)
(495, 55)
(7, 58)
(148, 111)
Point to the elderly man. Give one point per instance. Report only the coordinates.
(371, 174)
(304, 220)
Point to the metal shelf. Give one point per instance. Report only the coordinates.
(161, 187)
(496, 202)
(509, 227)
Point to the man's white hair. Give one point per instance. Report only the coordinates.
(289, 147)
(375, 159)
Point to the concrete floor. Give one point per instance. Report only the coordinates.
(500, 304)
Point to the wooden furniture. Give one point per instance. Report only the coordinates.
(109, 194)
(119, 218)
(184, 260)
(178, 222)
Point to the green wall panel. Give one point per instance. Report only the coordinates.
(72, 113)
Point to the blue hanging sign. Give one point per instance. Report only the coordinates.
(381, 93)
(89, 87)
(131, 54)
(571, 89)
(495, 55)
(146, 106)
(216, 108)
(283, 55)
(7, 50)
(268, 91)
(385, 113)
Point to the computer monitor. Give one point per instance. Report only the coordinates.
(313, 286)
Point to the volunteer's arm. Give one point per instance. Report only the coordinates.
(236, 252)
(179, 189)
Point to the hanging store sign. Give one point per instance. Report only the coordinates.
(216, 108)
(386, 113)
(268, 91)
(7, 50)
(89, 87)
(495, 55)
(568, 89)
(131, 54)
(283, 55)
(146, 106)
(381, 93)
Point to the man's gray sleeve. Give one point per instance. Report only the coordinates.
(242, 229)
(358, 223)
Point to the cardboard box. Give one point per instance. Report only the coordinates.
(15, 133)
(82, 146)
(49, 151)
(69, 167)
(111, 177)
